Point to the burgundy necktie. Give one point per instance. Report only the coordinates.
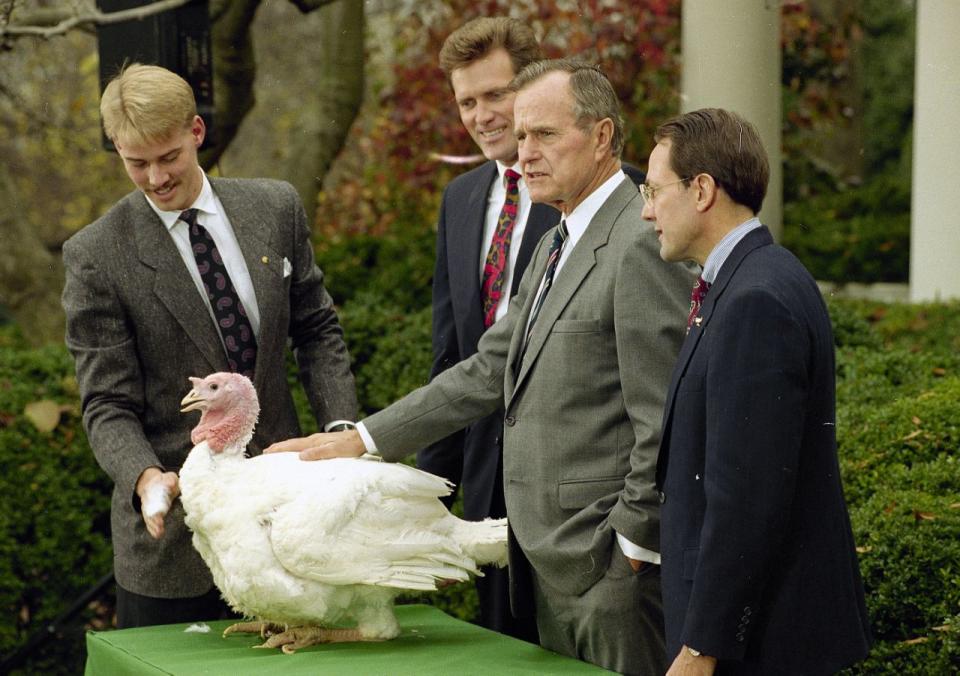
(696, 299)
(232, 320)
(495, 267)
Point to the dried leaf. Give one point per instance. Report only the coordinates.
(939, 371)
(44, 414)
(924, 516)
(955, 505)
(915, 641)
(915, 420)
(864, 550)
(910, 436)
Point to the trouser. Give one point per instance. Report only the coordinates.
(136, 610)
(616, 624)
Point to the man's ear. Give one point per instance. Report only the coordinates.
(198, 130)
(707, 191)
(603, 133)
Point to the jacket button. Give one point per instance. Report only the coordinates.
(510, 421)
(662, 497)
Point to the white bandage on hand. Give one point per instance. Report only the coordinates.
(158, 499)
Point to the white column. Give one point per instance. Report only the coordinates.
(934, 219)
(731, 59)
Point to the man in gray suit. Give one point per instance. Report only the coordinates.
(148, 305)
(581, 364)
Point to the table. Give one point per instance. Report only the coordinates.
(430, 642)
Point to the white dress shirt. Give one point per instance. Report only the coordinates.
(212, 216)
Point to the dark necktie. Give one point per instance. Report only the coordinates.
(553, 255)
(232, 320)
(495, 267)
(696, 299)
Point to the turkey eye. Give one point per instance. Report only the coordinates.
(213, 387)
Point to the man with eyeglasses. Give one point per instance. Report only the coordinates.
(580, 363)
(760, 574)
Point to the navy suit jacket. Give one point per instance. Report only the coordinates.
(758, 561)
(471, 457)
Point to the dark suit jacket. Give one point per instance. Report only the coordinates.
(758, 561)
(471, 457)
(138, 327)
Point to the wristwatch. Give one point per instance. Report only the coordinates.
(342, 427)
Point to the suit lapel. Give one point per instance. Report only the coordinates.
(575, 269)
(542, 217)
(464, 242)
(753, 240)
(173, 284)
(254, 230)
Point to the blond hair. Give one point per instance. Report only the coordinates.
(146, 104)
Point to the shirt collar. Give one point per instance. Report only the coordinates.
(583, 213)
(720, 253)
(502, 172)
(205, 203)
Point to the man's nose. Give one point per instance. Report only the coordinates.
(484, 113)
(157, 175)
(527, 151)
(647, 213)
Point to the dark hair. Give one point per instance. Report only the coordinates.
(477, 38)
(593, 96)
(722, 144)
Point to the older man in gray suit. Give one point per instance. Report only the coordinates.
(184, 277)
(581, 364)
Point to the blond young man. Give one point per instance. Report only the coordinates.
(146, 309)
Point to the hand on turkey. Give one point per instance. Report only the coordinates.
(323, 446)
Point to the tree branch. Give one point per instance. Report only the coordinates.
(45, 23)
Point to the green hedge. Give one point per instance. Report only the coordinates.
(859, 234)
(898, 431)
(54, 506)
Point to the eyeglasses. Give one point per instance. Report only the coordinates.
(649, 192)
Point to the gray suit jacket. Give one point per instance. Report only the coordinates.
(138, 328)
(582, 410)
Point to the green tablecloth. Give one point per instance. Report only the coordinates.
(430, 642)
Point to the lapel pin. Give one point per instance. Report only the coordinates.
(697, 320)
(265, 260)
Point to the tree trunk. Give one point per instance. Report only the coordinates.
(31, 277)
(310, 99)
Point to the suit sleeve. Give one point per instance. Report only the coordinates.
(315, 332)
(756, 384)
(445, 457)
(107, 366)
(650, 309)
(461, 394)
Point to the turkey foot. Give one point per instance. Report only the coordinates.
(265, 629)
(293, 639)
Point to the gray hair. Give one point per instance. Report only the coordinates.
(593, 96)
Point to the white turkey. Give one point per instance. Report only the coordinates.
(305, 548)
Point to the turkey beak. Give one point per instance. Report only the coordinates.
(192, 402)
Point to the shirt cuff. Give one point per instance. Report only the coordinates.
(341, 424)
(367, 440)
(637, 552)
